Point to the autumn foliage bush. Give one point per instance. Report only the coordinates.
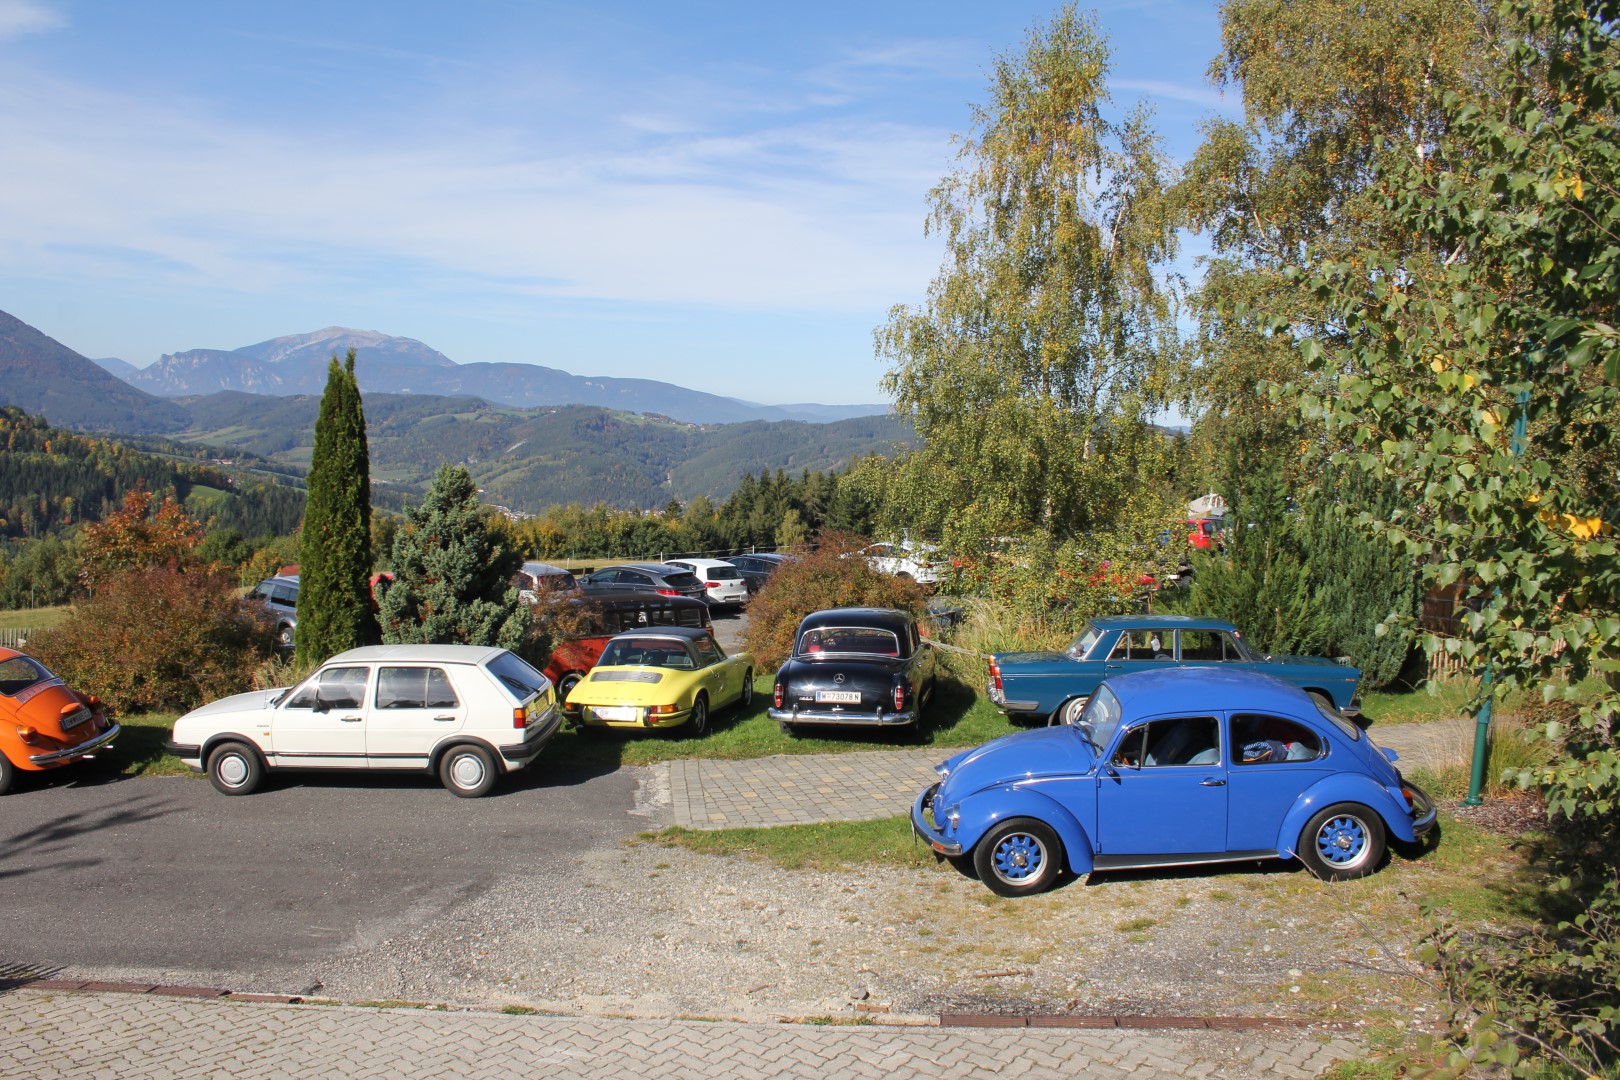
(158, 638)
(825, 578)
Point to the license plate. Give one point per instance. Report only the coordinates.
(75, 719)
(618, 714)
(841, 697)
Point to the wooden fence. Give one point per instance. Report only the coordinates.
(13, 638)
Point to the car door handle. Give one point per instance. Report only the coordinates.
(444, 719)
(1212, 782)
(350, 719)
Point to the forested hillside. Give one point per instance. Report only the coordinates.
(529, 459)
(52, 479)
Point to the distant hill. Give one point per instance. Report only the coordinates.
(294, 365)
(121, 368)
(42, 376)
(528, 459)
(52, 479)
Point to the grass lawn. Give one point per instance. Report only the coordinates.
(956, 717)
(33, 618)
(138, 750)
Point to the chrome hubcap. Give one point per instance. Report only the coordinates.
(233, 770)
(467, 770)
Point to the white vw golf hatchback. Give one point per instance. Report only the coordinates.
(468, 713)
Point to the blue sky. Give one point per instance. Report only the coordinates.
(729, 196)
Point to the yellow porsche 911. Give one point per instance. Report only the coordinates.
(661, 677)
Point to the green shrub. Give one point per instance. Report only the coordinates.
(825, 578)
(158, 638)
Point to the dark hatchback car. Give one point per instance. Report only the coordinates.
(757, 569)
(866, 667)
(660, 578)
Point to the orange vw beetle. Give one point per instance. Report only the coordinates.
(43, 724)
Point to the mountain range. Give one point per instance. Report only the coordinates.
(296, 364)
(525, 458)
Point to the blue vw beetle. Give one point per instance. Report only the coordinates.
(1170, 767)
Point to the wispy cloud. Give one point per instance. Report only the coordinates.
(21, 17)
(1207, 96)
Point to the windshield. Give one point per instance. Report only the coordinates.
(1101, 718)
(516, 677)
(1081, 645)
(867, 640)
(647, 652)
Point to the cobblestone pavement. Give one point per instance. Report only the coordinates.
(803, 789)
(53, 1034)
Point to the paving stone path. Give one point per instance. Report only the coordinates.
(63, 1034)
(804, 789)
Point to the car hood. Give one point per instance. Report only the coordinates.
(1059, 750)
(254, 701)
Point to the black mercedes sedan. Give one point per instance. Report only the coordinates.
(855, 666)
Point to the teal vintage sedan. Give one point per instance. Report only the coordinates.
(1055, 686)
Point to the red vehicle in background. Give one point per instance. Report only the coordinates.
(1204, 533)
(586, 623)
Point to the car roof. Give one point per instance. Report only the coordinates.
(285, 579)
(654, 567)
(438, 654)
(636, 597)
(886, 618)
(1215, 689)
(1160, 622)
(538, 569)
(702, 562)
(690, 633)
(768, 556)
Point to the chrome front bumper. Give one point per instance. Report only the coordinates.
(84, 749)
(921, 826)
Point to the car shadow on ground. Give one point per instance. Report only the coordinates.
(537, 777)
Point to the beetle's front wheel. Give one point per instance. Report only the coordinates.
(1342, 842)
(1018, 857)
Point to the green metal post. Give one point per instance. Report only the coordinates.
(1482, 721)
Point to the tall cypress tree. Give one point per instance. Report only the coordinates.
(334, 598)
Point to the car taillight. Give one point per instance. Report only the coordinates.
(662, 710)
(778, 695)
(899, 696)
(995, 675)
(667, 592)
(711, 584)
(520, 717)
(26, 734)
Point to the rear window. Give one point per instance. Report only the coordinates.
(722, 573)
(516, 677)
(867, 640)
(18, 673)
(682, 580)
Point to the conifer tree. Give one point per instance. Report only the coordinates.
(452, 576)
(334, 598)
(1262, 581)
